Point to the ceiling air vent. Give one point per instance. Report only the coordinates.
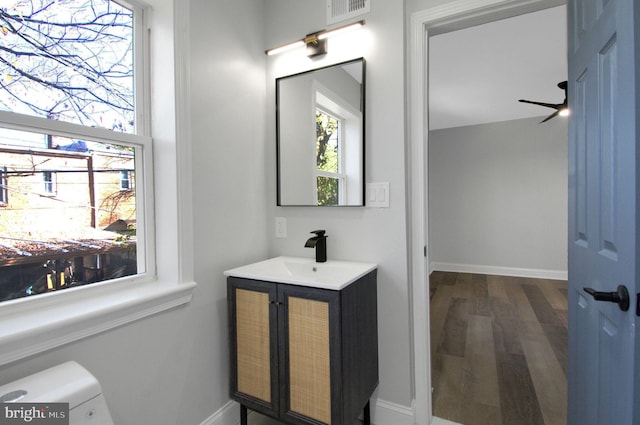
(340, 10)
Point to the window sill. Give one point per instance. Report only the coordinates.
(33, 325)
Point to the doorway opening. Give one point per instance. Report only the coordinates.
(498, 222)
(424, 26)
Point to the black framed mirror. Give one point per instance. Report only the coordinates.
(320, 136)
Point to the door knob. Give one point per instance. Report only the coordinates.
(620, 297)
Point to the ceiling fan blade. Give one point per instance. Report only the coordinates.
(548, 105)
(557, 106)
(549, 117)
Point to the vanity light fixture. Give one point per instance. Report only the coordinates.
(316, 42)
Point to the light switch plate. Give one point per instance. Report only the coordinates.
(281, 227)
(378, 195)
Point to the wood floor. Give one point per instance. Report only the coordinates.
(498, 349)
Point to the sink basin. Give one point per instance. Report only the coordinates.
(332, 274)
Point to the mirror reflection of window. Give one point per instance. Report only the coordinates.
(329, 176)
(338, 148)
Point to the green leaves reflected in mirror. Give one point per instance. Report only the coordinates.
(320, 136)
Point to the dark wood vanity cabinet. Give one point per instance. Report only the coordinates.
(303, 355)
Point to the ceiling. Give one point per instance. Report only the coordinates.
(477, 74)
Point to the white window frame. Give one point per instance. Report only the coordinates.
(34, 324)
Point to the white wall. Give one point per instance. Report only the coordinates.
(227, 106)
(498, 198)
(366, 234)
(172, 368)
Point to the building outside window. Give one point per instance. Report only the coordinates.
(71, 120)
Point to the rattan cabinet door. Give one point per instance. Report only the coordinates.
(253, 343)
(310, 346)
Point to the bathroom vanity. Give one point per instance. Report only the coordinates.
(303, 339)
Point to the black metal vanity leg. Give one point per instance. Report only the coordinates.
(367, 414)
(243, 415)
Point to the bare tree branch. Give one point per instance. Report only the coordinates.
(75, 55)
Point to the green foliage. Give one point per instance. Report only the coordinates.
(327, 158)
(127, 235)
(327, 191)
(326, 142)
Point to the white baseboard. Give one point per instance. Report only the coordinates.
(387, 413)
(229, 414)
(440, 421)
(382, 413)
(500, 271)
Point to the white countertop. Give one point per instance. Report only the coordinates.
(332, 274)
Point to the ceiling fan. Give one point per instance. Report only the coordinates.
(561, 108)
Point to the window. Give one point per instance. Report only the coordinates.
(49, 182)
(35, 324)
(4, 186)
(71, 117)
(125, 180)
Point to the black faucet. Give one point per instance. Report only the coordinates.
(319, 242)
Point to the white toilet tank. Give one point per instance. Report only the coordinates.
(65, 383)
